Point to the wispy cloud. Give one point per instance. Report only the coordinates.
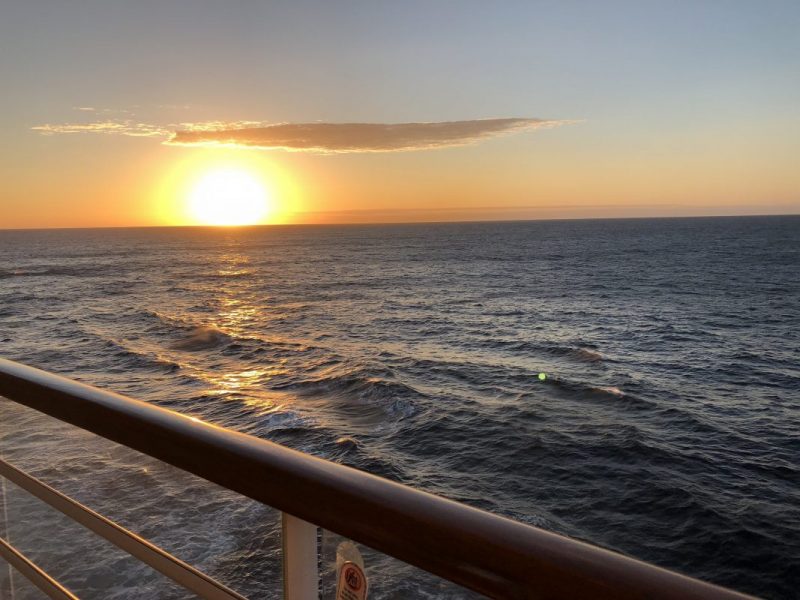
(305, 137)
(110, 121)
(115, 127)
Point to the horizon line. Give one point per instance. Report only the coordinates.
(375, 223)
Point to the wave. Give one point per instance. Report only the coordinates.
(347, 443)
(614, 391)
(354, 385)
(358, 388)
(585, 354)
(55, 270)
(202, 338)
(589, 391)
(581, 353)
(139, 358)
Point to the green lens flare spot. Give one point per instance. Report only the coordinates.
(542, 376)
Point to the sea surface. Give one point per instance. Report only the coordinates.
(667, 426)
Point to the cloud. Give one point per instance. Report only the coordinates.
(123, 127)
(357, 137)
(324, 138)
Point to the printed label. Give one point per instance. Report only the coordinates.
(352, 583)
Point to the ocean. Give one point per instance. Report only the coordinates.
(666, 427)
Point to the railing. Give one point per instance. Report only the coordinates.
(486, 553)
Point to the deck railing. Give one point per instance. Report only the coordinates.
(486, 553)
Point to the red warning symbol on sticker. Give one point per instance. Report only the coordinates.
(353, 578)
(352, 583)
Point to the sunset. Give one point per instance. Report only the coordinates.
(399, 300)
(634, 112)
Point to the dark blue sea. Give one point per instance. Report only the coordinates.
(667, 427)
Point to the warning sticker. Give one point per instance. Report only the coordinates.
(352, 583)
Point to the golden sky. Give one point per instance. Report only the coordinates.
(383, 116)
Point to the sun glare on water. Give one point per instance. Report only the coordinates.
(229, 197)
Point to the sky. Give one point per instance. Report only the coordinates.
(112, 111)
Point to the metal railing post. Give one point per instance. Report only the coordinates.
(300, 573)
(33, 573)
(160, 560)
(6, 587)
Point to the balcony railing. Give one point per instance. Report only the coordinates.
(486, 553)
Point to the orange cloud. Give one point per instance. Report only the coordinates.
(323, 138)
(358, 137)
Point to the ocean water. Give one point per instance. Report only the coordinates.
(667, 428)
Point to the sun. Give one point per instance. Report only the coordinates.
(225, 187)
(229, 196)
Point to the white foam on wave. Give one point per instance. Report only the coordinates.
(588, 355)
(615, 391)
(201, 338)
